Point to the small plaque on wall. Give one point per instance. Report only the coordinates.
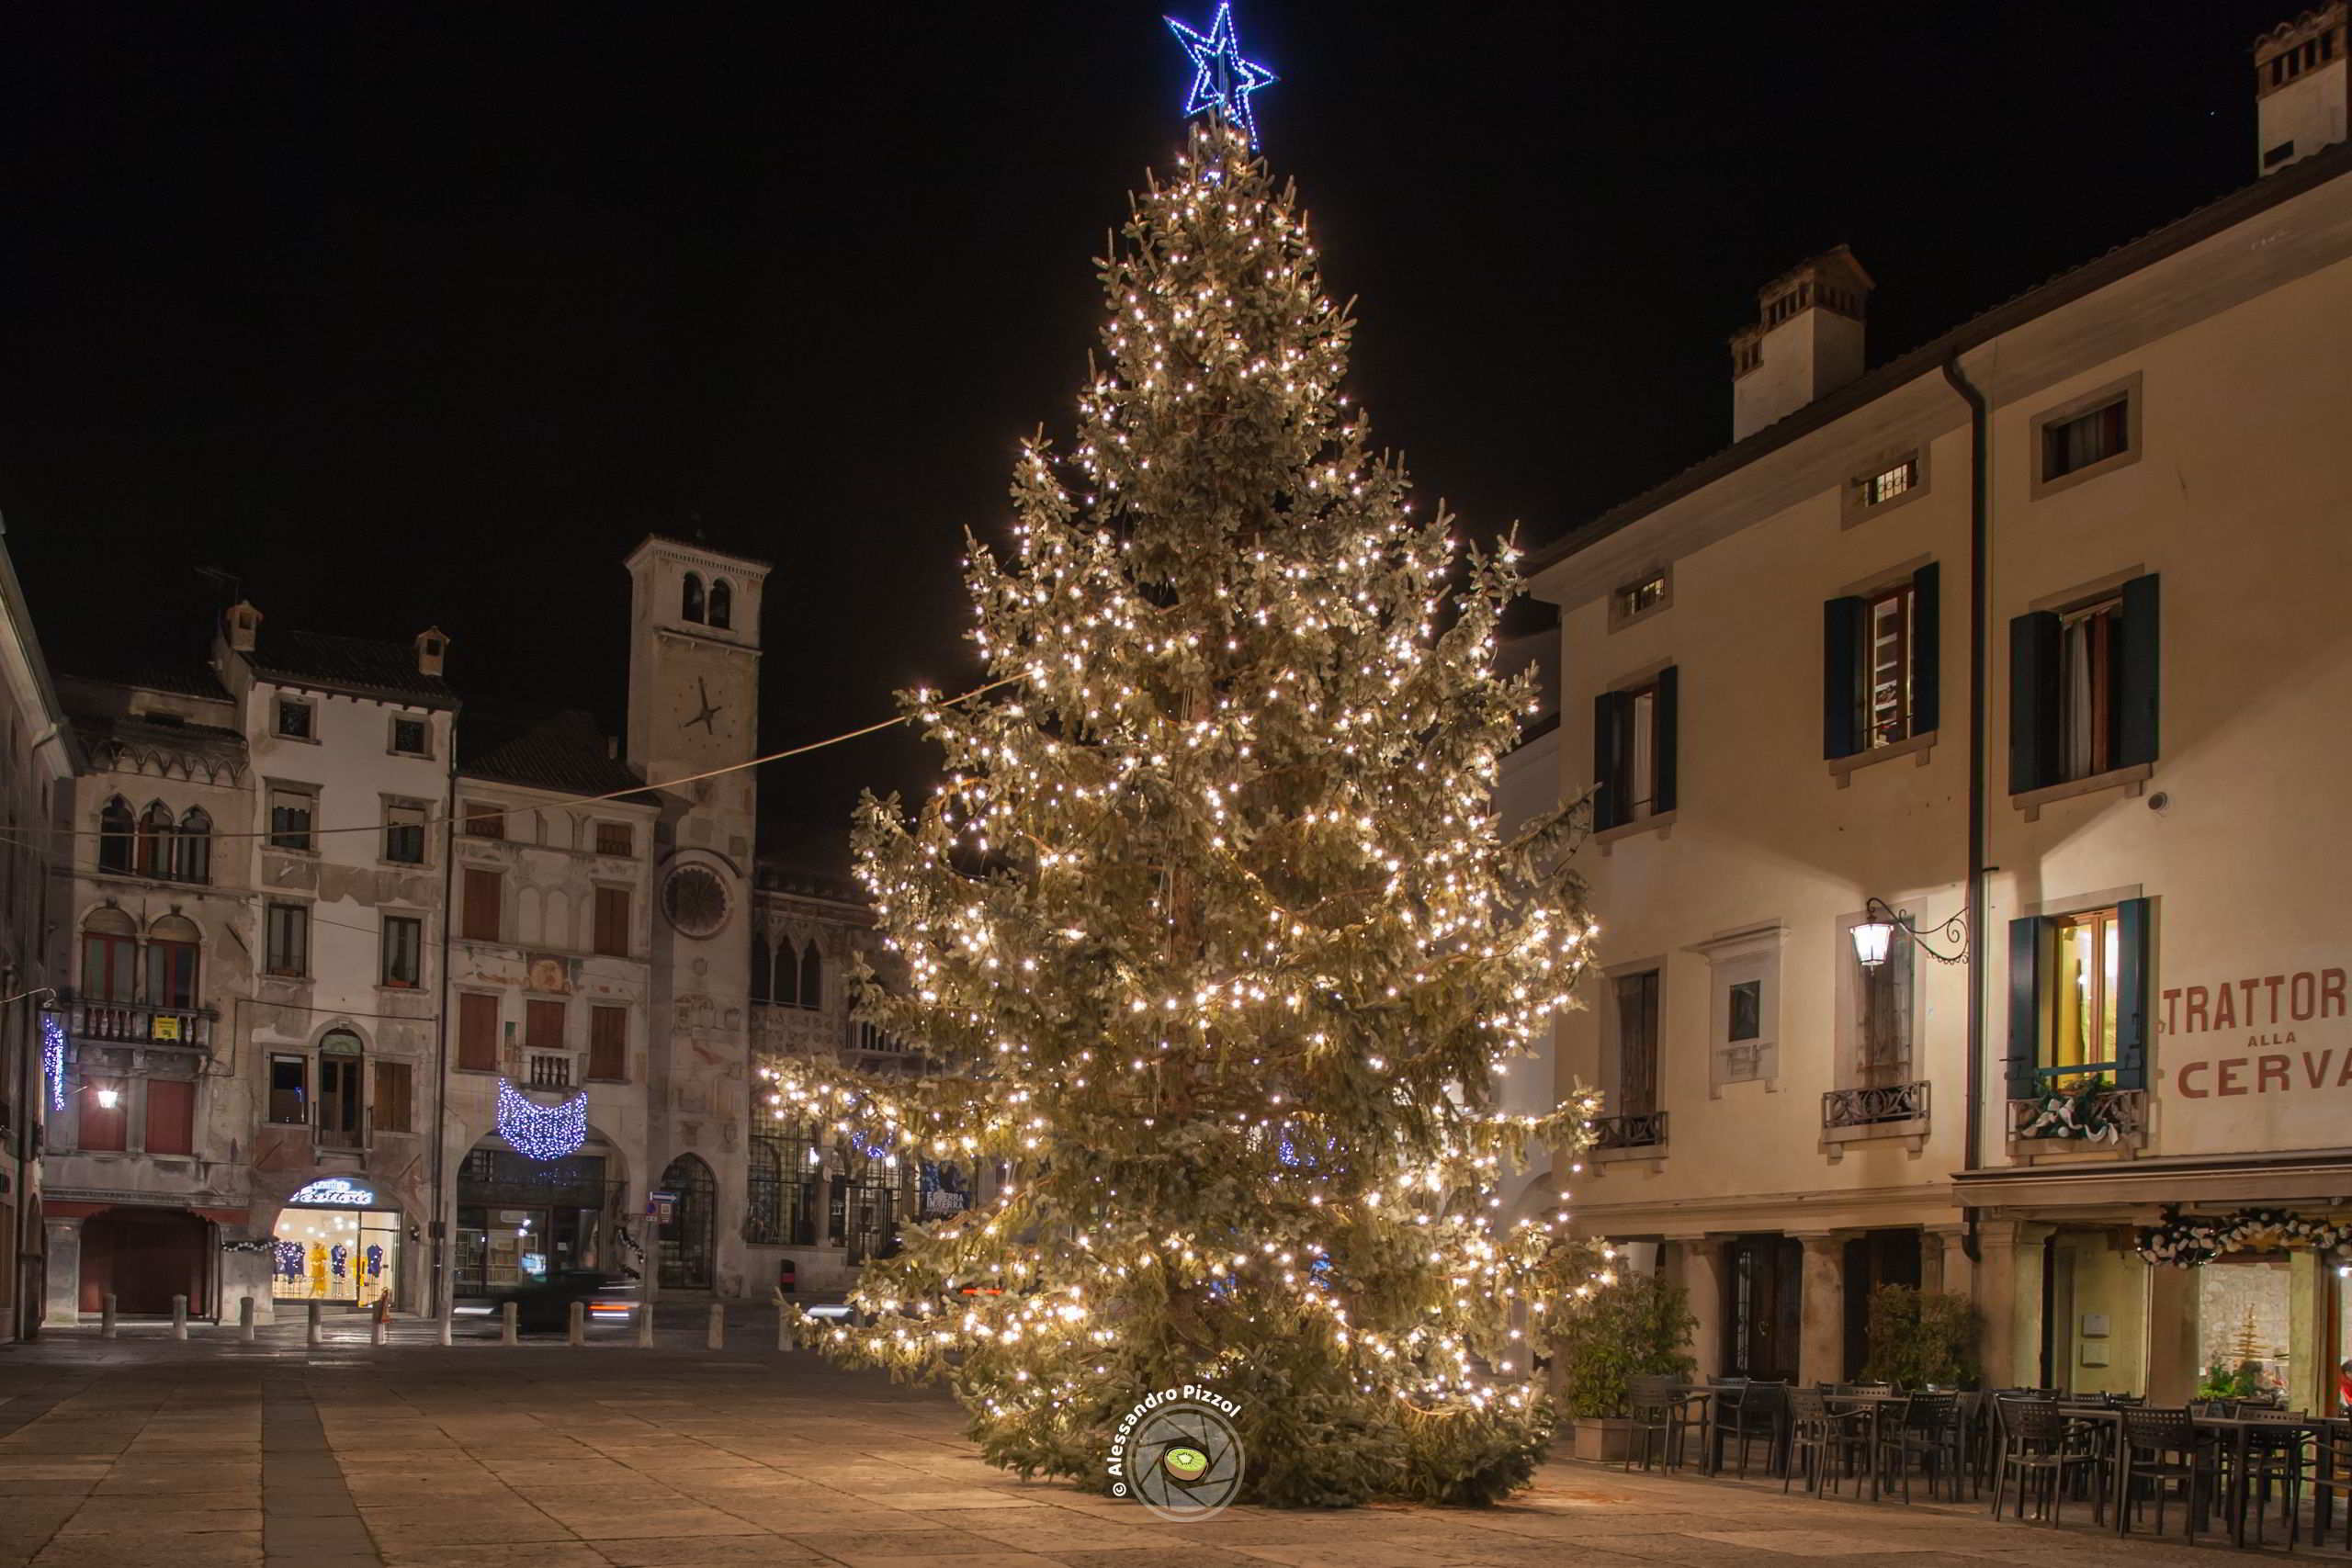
(2094, 1328)
(2093, 1354)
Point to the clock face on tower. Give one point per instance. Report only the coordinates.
(695, 900)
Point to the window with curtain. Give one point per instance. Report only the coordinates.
(155, 835)
(404, 952)
(291, 812)
(2084, 688)
(286, 938)
(2070, 445)
(1634, 750)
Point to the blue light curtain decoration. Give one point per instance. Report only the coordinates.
(52, 1058)
(541, 1132)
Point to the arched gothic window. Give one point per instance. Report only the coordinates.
(172, 949)
(690, 607)
(722, 603)
(812, 978)
(117, 831)
(192, 851)
(154, 857)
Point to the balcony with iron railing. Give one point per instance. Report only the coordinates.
(1641, 1134)
(2078, 1114)
(138, 1023)
(1874, 1111)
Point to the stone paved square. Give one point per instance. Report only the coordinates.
(211, 1454)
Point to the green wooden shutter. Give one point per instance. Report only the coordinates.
(1610, 710)
(1841, 676)
(2138, 656)
(1667, 713)
(2025, 1006)
(1926, 647)
(2033, 702)
(2132, 1002)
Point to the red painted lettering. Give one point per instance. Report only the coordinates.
(2315, 1067)
(2249, 987)
(2229, 1066)
(2171, 997)
(2343, 1078)
(2274, 982)
(2271, 1070)
(2200, 1068)
(2300, 993)
(2197, 1009)
(2225, 1011)
(2331, 989)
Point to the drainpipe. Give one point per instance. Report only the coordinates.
(1979, 529)
(439, 1296)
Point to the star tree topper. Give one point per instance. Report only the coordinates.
(1222, 80)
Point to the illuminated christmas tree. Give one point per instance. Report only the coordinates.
(1214, 927)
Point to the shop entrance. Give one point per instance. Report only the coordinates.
(521, 1219)
(336, 1241)
(145, 1257)
(1763, 1291)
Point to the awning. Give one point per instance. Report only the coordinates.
(2318, 1176)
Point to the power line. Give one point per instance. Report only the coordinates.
(501, 812)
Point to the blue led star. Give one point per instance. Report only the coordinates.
(1222, 80)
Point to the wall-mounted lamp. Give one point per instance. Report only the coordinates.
(1874, 935)
(108, 1098)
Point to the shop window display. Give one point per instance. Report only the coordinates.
(335, 1255)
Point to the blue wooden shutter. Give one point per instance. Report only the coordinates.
(1841, 676)
(2138, 653)
(1926, 647)
(2132, 1003)
(1610, 710)
(1667, 712)
(2025, 1006)
(2033, 702)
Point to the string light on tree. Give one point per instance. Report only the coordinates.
(1222, 80)
(1211, 928)
(541, 1132)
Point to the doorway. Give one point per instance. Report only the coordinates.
(1873, 1259)
(145, 1257)
(686, 1237)
(1763, 1283)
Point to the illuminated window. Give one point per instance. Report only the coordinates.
(1888, 627)
(1887, 483)
(2085, 977)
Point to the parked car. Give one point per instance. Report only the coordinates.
(544, 1306)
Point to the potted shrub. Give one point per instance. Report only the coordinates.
(1919, 1338)
(1637, 1327)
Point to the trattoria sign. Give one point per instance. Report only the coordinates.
(2265, 1013)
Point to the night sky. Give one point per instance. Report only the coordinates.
(411, 313)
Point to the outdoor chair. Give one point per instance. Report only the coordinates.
(1828, 1443)
(1927, 1431)
(1743, 1416)
(2161, 1445)
(2277, 1463)
(2039, 1444)
(1661, 1416)
(2330, 1478)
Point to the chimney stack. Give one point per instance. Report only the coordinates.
(431, 646)
(1806, 342)
(2298, 87)
(243, 623)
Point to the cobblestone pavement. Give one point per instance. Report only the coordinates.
(144, 1453)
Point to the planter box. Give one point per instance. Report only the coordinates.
(1608, 1439)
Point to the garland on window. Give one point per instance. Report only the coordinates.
(2089, 1113)
(2191, 1242)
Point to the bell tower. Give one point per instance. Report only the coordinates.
(693, 690)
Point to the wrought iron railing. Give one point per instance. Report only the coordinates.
(1868, 1107)
(1644, 1130)
(139, 1023)
(2086, 1116)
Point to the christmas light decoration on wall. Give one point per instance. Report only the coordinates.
(541, 1132)
(52, 1058)
(1222, 80)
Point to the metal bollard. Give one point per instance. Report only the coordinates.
(311, 1323)
(506, 1324)
(245, 1319)
(179, 1317)
(379, 1332)
(717, 1339)
(645, 1324)
(576, 1331)
(106, 1316)
(444, 1325)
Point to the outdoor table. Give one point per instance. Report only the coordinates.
(2239, 1430)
